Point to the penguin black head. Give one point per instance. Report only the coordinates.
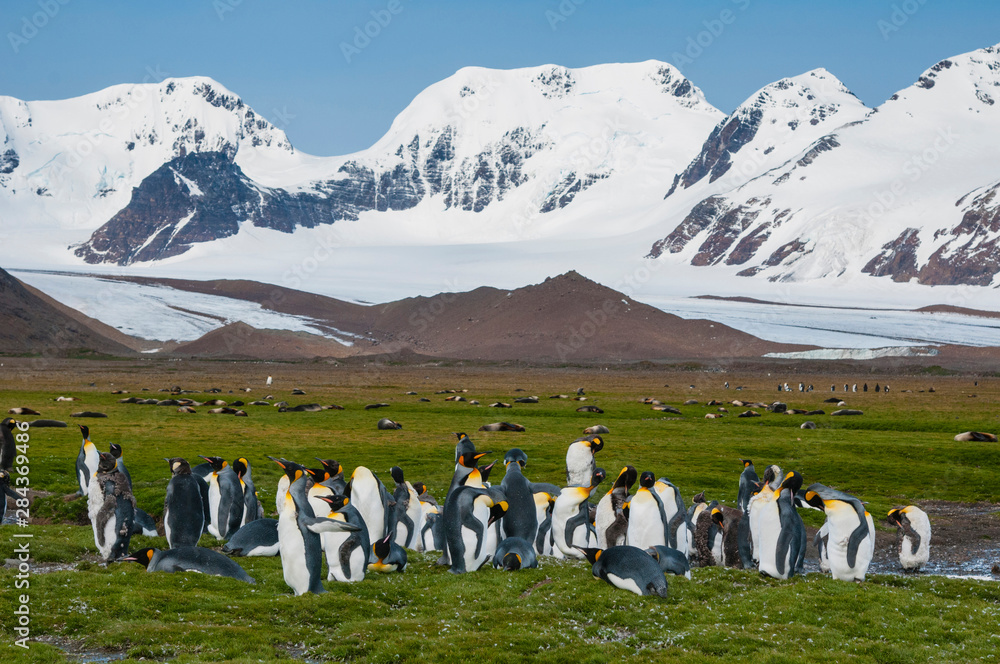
(497, 512)
(511, 562)
(698, 498)
(292, 469)
(217, 463)
(515, 455)
(470, 460)
(420, 488)
(10, 423)
(397, 474)
(317, 474)
(116, 450)
(593, 555)
(896, 516)
(599, 476)
(813, 499)
(143, 556)
(746, 463)
(107, 463)
(240, 467)
(85, 430)
(647, 479)
(485, 471)
(791, 483)
(179, 466)
(596, 444)
(717, 517)
(460, 434)
(382, 547)
(336, 501)
(626, 478)
(331, 466)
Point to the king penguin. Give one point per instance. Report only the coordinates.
(521, 519)
(225, 499)
(190, 559)
(515, 553)
(86, 461)
(371, 498)
(299, 534)
(117, 453)
(913, 536)
(730, 521)
(782, 533)
(251, 506)
(407, 510)
(610, 522)
(347, 553)
(112, 509)
(468, 516)
(185, 508)
(629, 568)
(762, 496)
(9, 448)
(257, 538)
(850, 543)
(571, 526)
(467, 463)
(580, 462)
(671, 561)
(387, 556)
(647, 519)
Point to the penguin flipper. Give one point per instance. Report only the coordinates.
(781, 553)
(858, 536)
(319, 524)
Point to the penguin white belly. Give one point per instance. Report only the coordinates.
(770, 531)
(567, 506)
(579, 465)
(365, 496)
(415, 511)
(279, 496)
(110, 537)
(214, 498)
(471, 540)
(645, 526)
(843, 520)
(909, 559)
(331, 543)
(166, 526)
(624, 583)
(757, 505)
(717, 548)
(293, 554)
(603, 520)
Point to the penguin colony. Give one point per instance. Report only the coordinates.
(356, 525)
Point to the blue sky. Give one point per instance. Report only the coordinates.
(287, 60)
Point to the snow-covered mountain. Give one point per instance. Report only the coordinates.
(613, 169)
(907, 191)
(185, 161)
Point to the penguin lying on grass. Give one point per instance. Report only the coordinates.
(629, 568)
(189, 559)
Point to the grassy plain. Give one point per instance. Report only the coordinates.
(900, 451)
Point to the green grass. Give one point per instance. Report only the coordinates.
(901, 450)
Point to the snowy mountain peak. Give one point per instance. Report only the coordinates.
(770, 127)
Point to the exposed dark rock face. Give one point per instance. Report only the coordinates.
(784, 251)
(556, 83)
(824, 144)
(202, 196)
(927, 80)
(205, 196)
(715, 158)
(725, 230)
(8, 161)
(749, 245)
(567, 189)
(701, 217)
(973, 257)
(898, 258)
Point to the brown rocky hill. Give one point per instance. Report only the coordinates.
(31, 324)
(567, 318)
